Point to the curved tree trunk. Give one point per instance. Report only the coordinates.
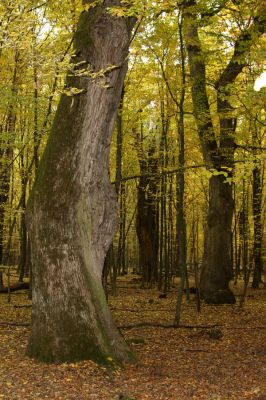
(72, 212)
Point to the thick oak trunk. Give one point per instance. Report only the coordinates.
(72, 213)
(217, 268)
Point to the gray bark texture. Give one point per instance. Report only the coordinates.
(72, 211)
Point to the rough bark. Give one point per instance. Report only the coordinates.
(72, 212)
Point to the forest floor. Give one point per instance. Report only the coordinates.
(218, 354)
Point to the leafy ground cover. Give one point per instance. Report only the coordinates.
(216, 355)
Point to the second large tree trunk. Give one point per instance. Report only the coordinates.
(217, 262)
(218, 154)
(72, 213)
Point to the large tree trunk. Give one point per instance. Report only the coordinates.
(218, 154)
(217, 268)
(72, 212)
(217, 265)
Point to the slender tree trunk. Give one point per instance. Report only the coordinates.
(36, 132)
(23, 229)
(170, 234)
(23, 240)
(196, 261)
(257, 245)
(1, 280)
(165, 231)
(164, 190)
(7, 153)
(161, 237)
(235, 241)
(243, 229)
(120, 186)
(181, 220)
(123, 213)
(72, 212)
(112, 264)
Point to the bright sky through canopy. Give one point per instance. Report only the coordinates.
(260, 82)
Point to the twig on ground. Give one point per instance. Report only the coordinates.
(24, 324)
